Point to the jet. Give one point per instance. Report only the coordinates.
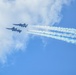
(22, 25)
(14, 29)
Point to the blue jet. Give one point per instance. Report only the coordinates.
(22, 25)
(14, 29)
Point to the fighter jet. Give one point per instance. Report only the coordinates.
(22, 25)
(14, 29)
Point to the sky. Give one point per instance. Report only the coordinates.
(25, 54)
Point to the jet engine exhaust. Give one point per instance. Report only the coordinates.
(59, 33)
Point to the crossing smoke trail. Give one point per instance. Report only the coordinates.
(39, 30)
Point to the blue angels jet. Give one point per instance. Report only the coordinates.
(14, 29)
(22, 25)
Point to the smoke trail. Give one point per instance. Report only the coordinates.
(54, 33)
(61, 29)
(43, 31)
(52, 36)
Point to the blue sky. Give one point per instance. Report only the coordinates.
(45, 56)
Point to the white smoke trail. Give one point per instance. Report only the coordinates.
(54, 33)
(52, 36)
(61, 29)
(43, 31)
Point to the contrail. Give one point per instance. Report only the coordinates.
(60, 33)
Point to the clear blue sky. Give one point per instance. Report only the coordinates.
(56, 58)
